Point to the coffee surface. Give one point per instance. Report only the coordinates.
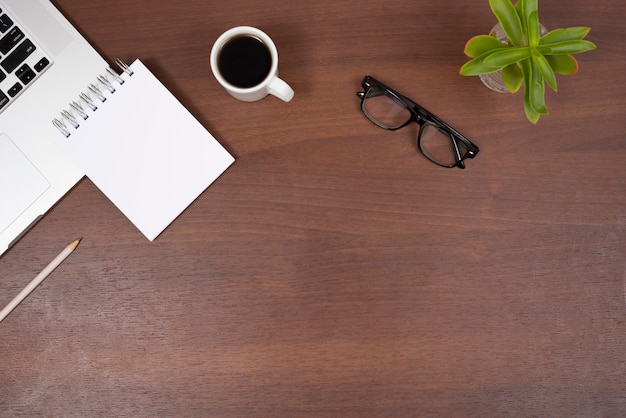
(244, 61)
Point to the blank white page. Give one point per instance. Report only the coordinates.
(145, 151)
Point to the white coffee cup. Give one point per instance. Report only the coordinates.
(258, 85)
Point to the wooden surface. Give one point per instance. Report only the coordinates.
(333, 270)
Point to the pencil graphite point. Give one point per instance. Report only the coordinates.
(75, 244)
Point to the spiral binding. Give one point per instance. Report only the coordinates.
(88, 101)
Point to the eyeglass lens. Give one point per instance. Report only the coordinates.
(384, 110)
(439, 145)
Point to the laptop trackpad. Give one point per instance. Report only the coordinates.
(20, 182)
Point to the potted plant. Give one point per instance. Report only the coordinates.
(526, 57)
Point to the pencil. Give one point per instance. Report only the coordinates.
(38, 279)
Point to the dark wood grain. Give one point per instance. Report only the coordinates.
(332, 270)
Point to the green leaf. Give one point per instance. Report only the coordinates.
(566, 47)
(544, 68)
(530, 17)
(528, 7)
(537, 97)
(566, 34)
(480, 44)
(562, 64)
(512, 77)
(476, 67)
(531, 114)
(532, 32)
(537, 91)
(520, 13)
(509, 20)
(502, 57)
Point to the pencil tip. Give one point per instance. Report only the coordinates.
(75, 243)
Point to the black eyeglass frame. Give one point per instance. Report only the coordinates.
(422, 117)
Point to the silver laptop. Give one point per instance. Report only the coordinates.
(44, 65)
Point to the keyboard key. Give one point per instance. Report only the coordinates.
(43, 63)
(25, 74)
(18, 55)
(5, 23)
(4, 99)
(21, 57)
(11, 39)
(17, 87)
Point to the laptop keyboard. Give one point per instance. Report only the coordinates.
(21, 60)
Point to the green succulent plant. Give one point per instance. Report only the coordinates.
(528, 58)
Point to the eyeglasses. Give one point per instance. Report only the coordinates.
(437, 140)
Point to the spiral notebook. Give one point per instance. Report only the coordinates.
(139, 145)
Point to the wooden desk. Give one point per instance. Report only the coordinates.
(333, 270)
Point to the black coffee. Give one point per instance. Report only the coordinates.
(244, 61)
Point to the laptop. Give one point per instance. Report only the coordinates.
(45, 64)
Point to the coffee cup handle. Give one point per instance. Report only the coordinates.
(280, 89)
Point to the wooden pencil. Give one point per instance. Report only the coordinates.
(38, 279)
